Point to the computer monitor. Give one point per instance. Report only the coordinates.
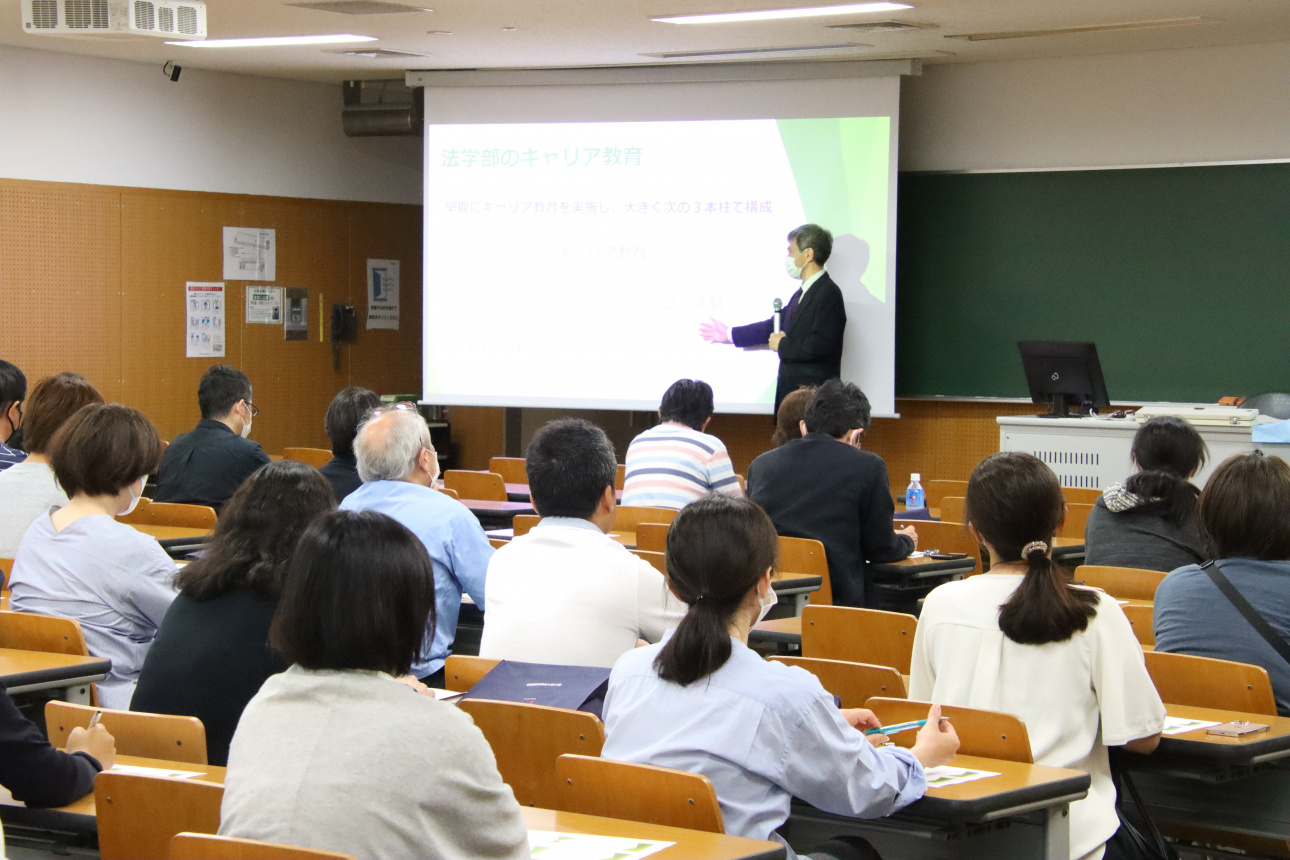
(1062, 374)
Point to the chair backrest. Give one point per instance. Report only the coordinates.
(510, 468)
(637, 792)
(620, 476)
(934, 492)
(316, 457)
(1076, 520)
(463, 671)
(947, 537)
(859, 636)
(482, 486)
(1141, 618)
(204, 846)
(6, 568)
(805, 557)
(1080, 495)
(452, 494)
(628, 517)
(989, 734)
(854, 683)
(170, 514)
(139, 815)
(527, 739)
(524, 523)
(163, 736)
(27, 631)
(953, 509)
(1203, 682)
(1126, 583)
(654, 558)
(652, 537)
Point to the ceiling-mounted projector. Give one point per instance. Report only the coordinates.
(169, 19)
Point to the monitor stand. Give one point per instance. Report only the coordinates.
(1060, 406)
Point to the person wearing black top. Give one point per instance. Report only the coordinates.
(212, 652)
(39, 775)
(823, 487)
(346, 412)
(205, 465)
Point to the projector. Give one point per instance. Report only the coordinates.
(168, 19)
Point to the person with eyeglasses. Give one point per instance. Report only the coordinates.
(206, 465)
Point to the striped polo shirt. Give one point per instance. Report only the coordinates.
(671, 465)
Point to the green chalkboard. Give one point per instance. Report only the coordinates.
(1180, 275)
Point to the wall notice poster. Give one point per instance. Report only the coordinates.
(204, 303)
(250, 254)
(383, 294)
(297, 323)
(264, 305)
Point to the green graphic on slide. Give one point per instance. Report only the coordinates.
(841, 167)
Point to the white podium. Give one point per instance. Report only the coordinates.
(1094, 452)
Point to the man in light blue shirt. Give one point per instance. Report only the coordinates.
(398, 465)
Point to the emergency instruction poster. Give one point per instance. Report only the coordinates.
(204, 303)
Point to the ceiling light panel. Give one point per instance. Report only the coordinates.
(782, 14)
(676, 55)
(278, 41)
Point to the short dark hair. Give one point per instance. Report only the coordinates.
(570, 462)
(1245, 508)
(1167, 450)
(836, 408)
(104, 448)
(222, 386)
(13, 386)
(788, 419)
(688, 401)
(816, 238)
(54, 399)
(346, 412)
(359, 595)
(258, 530)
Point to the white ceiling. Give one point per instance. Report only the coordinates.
(570, 33)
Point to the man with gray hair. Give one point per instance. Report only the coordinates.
(398, 465)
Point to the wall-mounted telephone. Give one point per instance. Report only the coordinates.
(344, 329)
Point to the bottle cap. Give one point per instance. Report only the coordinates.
(915, 477)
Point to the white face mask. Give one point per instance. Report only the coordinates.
(794, 271)
(767, 604)
(134, 502)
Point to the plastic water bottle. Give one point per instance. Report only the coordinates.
(915, 498)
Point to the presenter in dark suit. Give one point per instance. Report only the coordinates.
(809, 342)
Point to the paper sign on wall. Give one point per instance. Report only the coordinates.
(297, 323)
(204, 310)
(264, 305)
(383, 294)
(250, 254)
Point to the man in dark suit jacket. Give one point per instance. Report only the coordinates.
(205, 465)
(825, 488)
(809, 342)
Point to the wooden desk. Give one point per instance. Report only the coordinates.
(797, 588)
(30, 671)
(496, 514)
(897, 586)
(520, 493)
(1069, 551)
(172, 533)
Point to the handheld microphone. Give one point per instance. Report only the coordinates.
(775, 316)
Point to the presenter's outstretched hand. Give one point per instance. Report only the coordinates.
(714, 331)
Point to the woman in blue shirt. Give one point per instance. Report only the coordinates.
(702, 701)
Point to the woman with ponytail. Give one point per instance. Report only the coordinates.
(1149, 521)
(763, 732)
(1023, 639)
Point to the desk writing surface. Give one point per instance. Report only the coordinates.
(690, 844)
(19, 667)
(171, 532)
(1266, 746)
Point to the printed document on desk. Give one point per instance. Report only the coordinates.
(580, 846)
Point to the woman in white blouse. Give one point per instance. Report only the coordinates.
(762, 732)
(1024, 640)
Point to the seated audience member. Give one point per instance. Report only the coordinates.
(336, 753)
(1023, 639)
(568, 574)
(674, 463)
(212, 652)
(13, 390)
(824, 487)
(346, 412)
(1245, 513)
(762, 732)
(205, 465)
(1149, 521)
(788, 420)
(398, 464)
(39, 775)
(28, 489)
(79, 562)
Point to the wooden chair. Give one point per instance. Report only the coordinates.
(316, 457)
(628, 517)
(936, 491)
(510, 468)
(1203, 682)
(743, 484)
(463, 671)
(947, 537)
(1141, 618)
(204, 846)
(989, 734)
(652, 537)
(637, 792)
(654, 558)
(859, 636)
(137, 816)
(620, 477)
(6, 568)
(163, 736)
(1076, 519)
(1080, 495)
(27, 631)
(527, 739)
(524, 523)
(854, 683)
(953, 509)
(150, 513)
(1125, 583)
(483, 486)
(452, 494)
(497, 543)
(804, 557)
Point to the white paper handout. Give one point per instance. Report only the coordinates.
(264, 305)
(383, 294)
(1180, 725)
(945, 776)
(250, 254)
(578, 846)
(139, 770)
(204, 312)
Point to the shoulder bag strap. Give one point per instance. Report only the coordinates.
(1243, 606)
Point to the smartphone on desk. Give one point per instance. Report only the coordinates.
(945, 556)
(1237, 729)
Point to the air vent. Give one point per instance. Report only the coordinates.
(1090, 28)
(381, 54)
(159, 19)
(166, 19)
(145, 15)
(880, 26)
(678, 55)
(44, 14)
(188, 21)
(86, 14)
(360, 7)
